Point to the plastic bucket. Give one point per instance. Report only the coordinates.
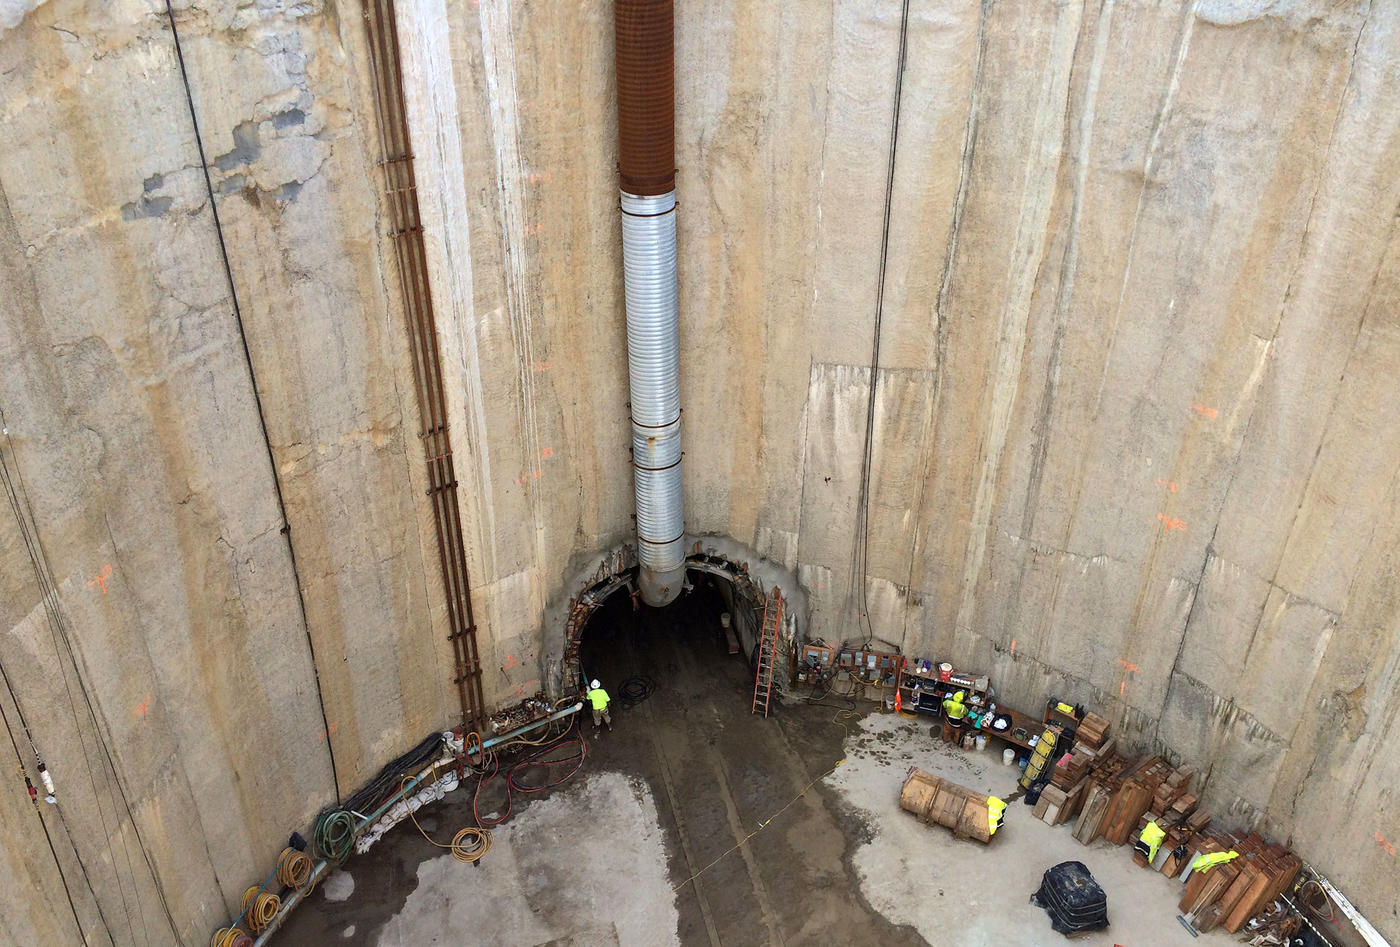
(981, 741)
(945, 671)
(1008, 756)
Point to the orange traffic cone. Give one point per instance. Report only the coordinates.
(897, 704)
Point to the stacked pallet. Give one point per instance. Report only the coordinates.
(1091, 732)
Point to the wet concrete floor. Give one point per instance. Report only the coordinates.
(716, 772)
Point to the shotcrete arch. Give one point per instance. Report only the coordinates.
(748, 579)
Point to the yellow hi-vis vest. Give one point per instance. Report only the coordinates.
(956, 708)
(1152, 835)
(996, 810)
(599, 698)
(1207, 862)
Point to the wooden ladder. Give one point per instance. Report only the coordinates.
(767, 651)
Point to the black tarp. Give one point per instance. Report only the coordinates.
(1073, 899)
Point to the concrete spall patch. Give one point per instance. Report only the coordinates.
(588, 861)
(338, 887)
(951, 889)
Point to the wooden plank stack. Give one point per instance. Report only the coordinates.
(1229, 895)
(1104, 794)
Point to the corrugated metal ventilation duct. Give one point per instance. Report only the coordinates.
(647, 160)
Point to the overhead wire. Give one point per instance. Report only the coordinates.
(19, 758)
(18, 498)
(252, 378)
(861, 544)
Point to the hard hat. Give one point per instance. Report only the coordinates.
(595, 684)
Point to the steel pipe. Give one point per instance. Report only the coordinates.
(646, 161)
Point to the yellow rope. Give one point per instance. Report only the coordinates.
(836, 719)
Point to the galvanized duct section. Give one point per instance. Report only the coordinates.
(647, 158)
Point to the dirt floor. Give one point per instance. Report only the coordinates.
(644, 845)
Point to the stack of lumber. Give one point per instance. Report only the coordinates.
(1229, 895)
(1104, 794)
(1091, 732)
(933, 799)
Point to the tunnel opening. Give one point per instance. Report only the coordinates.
(636, 651)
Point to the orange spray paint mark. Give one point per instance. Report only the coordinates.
(1205, 410)
(1171, 522)
(328, 731)
(1169, 484)
(143, 706)
(100, 580)
(547, 453)
(1122, 686)
(1380, 840)
(1013, 645)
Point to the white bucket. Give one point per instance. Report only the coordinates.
(981, 741)
(724, 620)
(1008, 756)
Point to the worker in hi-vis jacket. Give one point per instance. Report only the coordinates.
(955, 711)
(599, 700)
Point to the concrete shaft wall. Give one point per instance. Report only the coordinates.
(1134, 444)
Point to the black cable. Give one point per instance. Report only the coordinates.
(861, 551)
(77, 921)
(18, 499)
(253, 383)
(634, 690)
(387, 781)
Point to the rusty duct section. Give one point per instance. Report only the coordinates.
(646, 147)
(646, 114)
(401, 210)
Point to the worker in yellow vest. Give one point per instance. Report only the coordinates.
(1149, 840)
(996, 814)
(600, 701)
(956, 712)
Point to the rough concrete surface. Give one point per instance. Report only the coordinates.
(1132, 442)
(586, 866)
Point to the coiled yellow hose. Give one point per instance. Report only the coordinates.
(260, 909)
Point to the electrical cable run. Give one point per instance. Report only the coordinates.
(469, 844)
(541, 759)
(634, 690)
